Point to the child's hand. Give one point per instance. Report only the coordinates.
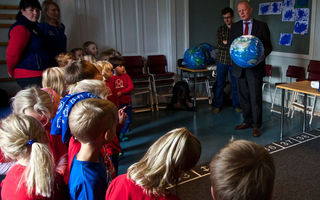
(119, 94)
(122, 115)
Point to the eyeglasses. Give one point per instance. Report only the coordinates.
(227, 17)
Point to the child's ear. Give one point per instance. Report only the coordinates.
(110, 133)
(108, 136)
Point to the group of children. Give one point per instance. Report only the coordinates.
(62, 141)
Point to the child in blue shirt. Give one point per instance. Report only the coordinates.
(93, 123)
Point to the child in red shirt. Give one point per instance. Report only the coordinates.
(111, 149)
(123, 87)
(165, 161)
(41, 106)
(22, 138)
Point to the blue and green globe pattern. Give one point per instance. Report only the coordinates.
(195, 58)
(209, 50)
(246, 51)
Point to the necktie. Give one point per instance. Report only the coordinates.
(246, 30)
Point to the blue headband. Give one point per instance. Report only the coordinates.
(60, 124)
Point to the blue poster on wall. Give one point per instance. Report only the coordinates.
(288, 14)
(302, 14)
(276, 8)
(288, 3)
(264, 8)
(285, 39)
(301, 27)
(270, 8)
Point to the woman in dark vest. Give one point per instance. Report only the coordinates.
(26, 55)
(53, 29)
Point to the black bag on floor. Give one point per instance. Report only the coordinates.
(181, 99)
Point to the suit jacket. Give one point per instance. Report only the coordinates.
(260, 30)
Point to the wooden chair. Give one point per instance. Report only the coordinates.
(135, 67)
(313, 75)
(162, 80)
(294, 73)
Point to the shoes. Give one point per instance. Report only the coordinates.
(243, 126)
(238, 110)
(216, 110)
(256, 132)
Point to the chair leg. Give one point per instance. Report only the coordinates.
(155, 94)
(313, 108)
(274, 97)
(208, 91)
(151, 99)
(291, 109)
(270, 91)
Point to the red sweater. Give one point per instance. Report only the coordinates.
(125, 189)
(19, 38)
(113, 96)
(124, 85)
(59, 151)
(11, 191)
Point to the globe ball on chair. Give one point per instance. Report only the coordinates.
(195, 58)
(247, 51)
(210, 53)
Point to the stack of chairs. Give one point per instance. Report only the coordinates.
(162, 80)
(135, 66)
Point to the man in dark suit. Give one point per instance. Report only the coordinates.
(249, 80)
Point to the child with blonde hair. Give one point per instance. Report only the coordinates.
(106, 68)
(22, 138)
(53, 78)
(96, 87)
(113, 148)
(242, 170)
(92, 122)
(38, 104)
(165, 161)
(63, 59)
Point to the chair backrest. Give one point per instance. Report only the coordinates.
(314, 70)
(297, 72)
(268, 70)
(134, 65)
(157, 64)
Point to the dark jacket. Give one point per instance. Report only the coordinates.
(34, 56)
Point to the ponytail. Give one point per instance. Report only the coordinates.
(23, 138)
(40, 171)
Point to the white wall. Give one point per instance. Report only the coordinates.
(133, 27)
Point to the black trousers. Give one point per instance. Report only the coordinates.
(250, 96)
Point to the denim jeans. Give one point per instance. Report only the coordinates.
(222, 73)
